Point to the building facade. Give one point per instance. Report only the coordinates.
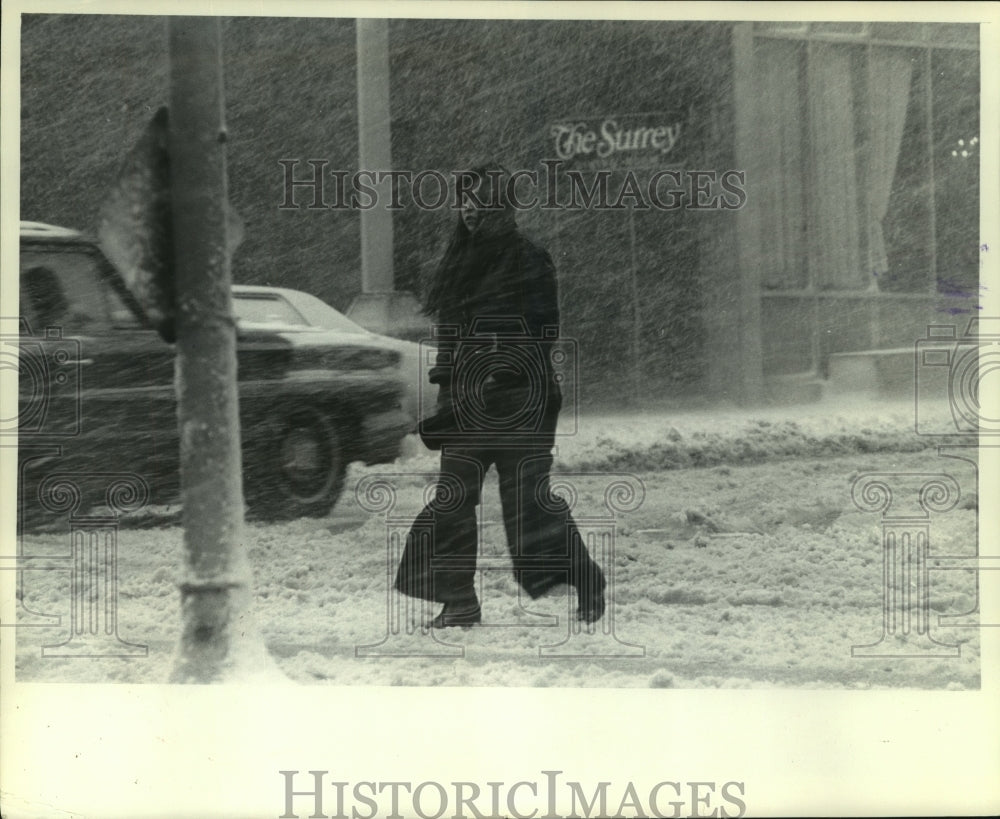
(855, 149)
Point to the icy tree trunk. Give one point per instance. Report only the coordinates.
(217, 642)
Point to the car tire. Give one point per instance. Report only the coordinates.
(295, 466)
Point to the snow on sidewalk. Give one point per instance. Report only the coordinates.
(658, 439)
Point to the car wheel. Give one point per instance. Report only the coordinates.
(295, 467)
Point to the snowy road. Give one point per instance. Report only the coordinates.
(735, 576)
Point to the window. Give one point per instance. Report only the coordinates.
(256, 308)
(863, 178)
(780, 177)
(955, 140)
(65, 289)
(869, 176)
(906, 233)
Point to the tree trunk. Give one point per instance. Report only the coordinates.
(218, 641)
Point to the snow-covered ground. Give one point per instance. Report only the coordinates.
(746, 565)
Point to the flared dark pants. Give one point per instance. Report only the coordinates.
(439, 558)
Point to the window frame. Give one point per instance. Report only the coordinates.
(105, 276)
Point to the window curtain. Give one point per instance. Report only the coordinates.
(836, 253)
(776, 183)
(890, 74)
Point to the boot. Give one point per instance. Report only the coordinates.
(464, 613)
(590, 599)
(592, 609)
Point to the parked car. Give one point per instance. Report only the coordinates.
(258, 304)
(97, 394)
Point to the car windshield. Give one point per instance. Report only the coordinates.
(262, 308)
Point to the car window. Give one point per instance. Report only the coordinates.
(265, 308)
(320, 314)
(64, 288)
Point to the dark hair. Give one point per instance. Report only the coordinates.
(455, 268)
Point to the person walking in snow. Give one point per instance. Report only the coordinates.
(494, 301)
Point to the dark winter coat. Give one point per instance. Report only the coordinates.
(497, 332)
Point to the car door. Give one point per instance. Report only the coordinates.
(117, 371)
